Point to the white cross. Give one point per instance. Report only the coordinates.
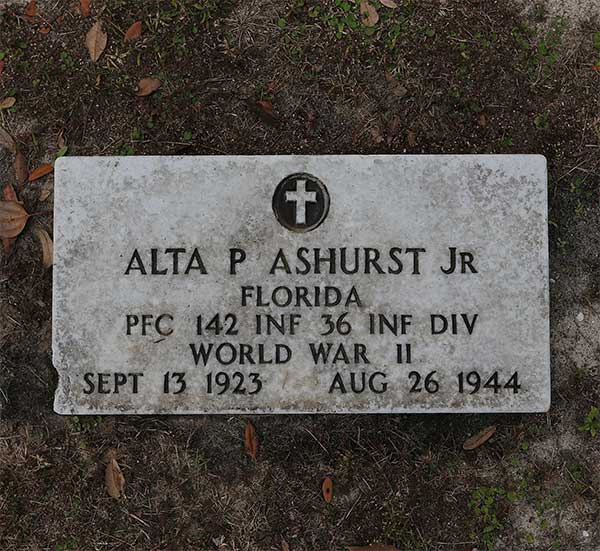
(301, 197)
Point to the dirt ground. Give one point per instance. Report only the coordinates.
(432, 76)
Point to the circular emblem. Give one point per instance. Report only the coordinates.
(301, 202)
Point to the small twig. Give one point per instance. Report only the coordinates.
(316, 440)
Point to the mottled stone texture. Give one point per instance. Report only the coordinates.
(492, 206)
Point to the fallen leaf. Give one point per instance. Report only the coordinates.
(41, 171)
(111, 453)
(84, 8)
(327, 489)
(597, 66)
(284, 545)
(264, 109)
(397, 89)
(482, 121)
(13, 218)
(31, 9)
(47, 247)
(7, 103)
(7, 245)
(388, 4)
(45, 193)
(376, 134)
(8, 193)
(392, 129)
(480, 438)
(265, 105)
(60, 140)
(7, 141)
(114, 479)
(148, 85)
(373, 547)
(412, 138)
(21, 171)
(2, 65)
(96, 40)
(133, 32)
(369, 14)
(311, 118)
(45, 30)
(251, 441)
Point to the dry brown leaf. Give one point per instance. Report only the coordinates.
(21, 171)
(376, 134)
(60, 140)
(47, 247)
(8, 193)
(369, 14)
(251, 441)
(265, 105)
(45, 30)
(31, 9)
(284, 545)
(2, 65)
(264, 109)
(482, 120)
(7, 141)
(327, 489)
(114, 479)
(13, 218)
(111, 453)
(480, 438)
(373, 547)
(7, 103)
(84, 7)
(7, 245)
(96, 40)
(41, 171)
(412, 138)
(392, 129)
(133, 32)
(388, 4)
(45, 193)
(397, 89)
(148, 85)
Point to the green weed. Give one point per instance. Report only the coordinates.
(548, 48)
(591, 422)
(84, 423)
(542, 121)
(485, 502)
(70, 545)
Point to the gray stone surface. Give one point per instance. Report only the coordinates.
(493, 207)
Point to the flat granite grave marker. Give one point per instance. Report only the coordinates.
(289, 284)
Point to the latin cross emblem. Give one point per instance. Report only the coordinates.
(301, 197)
(301, 202)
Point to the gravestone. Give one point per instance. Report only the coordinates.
(289, 284)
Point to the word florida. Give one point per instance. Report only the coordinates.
(302, 261)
